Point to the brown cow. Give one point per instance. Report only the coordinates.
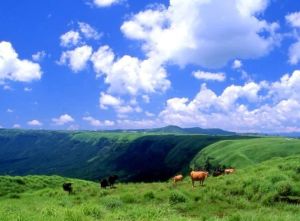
(229, 171)
(177, 178)
(198, 176)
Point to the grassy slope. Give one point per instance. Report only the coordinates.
(250, 194)
(242, 153)
(93, 155)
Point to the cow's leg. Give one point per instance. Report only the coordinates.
(193, 183)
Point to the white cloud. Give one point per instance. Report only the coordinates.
(103, 60)
(149, 114)
(105, 3)
(107, 100)
(208, 76)
(14, 69)
(9, 110)
(293, 19)
(294, 53)
(188, 32)
(129, 75)
(39, 56)
(97, 123)
(63, 119)
(253, 107)
(34, 123)
(88, 31)
(70, 38)
(17, 126)
(237, 64)
(76, 59)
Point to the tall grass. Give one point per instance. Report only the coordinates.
(255, 193)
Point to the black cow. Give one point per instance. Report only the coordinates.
(112, 179)
(68, 187)
(104, 183)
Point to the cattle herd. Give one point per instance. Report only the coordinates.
(195, 176)
(202, 175)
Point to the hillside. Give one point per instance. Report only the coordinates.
(243, 153)
(94, 155)
(266, 192)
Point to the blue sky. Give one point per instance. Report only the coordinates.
(105, 64)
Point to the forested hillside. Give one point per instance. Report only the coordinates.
(93, 155)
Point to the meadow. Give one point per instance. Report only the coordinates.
(265, 191)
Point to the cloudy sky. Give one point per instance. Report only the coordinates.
(105, 64)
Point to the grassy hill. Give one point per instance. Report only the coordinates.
(93, 155)
(243, 153)
(262, 192)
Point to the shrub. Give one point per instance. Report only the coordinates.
(149, 195)
(177, 198)
(284, 188)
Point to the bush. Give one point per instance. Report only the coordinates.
(149, 195)
(284, 188)
(177, 198)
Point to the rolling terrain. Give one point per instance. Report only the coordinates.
(134, 156)
(266, 191)
(243, 153)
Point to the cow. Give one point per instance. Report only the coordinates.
(68, 187)
(177, 178)
(198, 176)
(104, 183)
(229, 170)
(111, 180)
(217, 173)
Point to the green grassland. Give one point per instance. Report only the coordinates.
(247, 152)
(254, 193)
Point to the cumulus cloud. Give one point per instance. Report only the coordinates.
(294, 51)
(63, 119)
(97, 123)
(88, 31)
(107, 100)
(208, 76)
(187, 31)
(293, 19)
(15, 69)
(70, 38)
(251, 107)
(105, 3)
(76, 59)
(83, 31)
(34, 123)
(129, 75)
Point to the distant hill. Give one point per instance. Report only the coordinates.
(172, 129)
